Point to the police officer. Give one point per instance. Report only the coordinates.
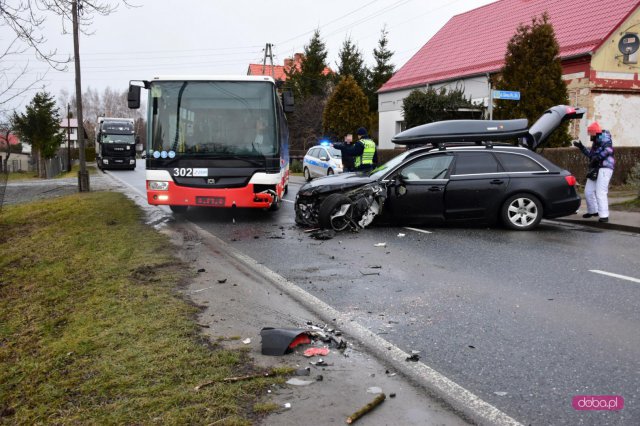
(363, 151)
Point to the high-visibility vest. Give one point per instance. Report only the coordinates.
(367, 154)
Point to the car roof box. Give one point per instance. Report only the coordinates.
(463, 131)
(548, 122)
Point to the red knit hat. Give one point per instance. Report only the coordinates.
(594, 128)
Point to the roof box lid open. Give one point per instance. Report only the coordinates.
(463, 131)
(490, 130)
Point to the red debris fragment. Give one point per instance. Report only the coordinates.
(316, 351)
(301, 339)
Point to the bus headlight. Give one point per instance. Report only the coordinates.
(156, 185)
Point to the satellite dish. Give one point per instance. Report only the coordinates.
(629, 44)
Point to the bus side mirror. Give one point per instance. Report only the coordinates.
(287, 101)
(133, 97)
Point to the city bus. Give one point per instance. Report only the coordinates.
(215, 141)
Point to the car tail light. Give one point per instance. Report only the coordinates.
(571, 180)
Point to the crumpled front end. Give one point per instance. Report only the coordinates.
(354, 209)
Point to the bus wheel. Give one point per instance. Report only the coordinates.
(178, 209)
(307, 175)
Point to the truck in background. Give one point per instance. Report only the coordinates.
(115, 143)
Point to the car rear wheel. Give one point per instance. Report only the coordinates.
(178, 209)
(307, 175)
(335, 212)
(329, 172)
(522, 212)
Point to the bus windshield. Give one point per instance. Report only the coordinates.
(204, 118)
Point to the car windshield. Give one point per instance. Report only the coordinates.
(383, 169)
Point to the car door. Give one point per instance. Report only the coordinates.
(314, 164)
(476, 186)
(418, 193)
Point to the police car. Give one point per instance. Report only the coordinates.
(321, 160)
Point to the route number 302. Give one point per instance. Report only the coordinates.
(189, 172)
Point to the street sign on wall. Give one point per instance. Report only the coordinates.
(505, 94)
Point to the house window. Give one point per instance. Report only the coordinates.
(400, 126)
(72, 131)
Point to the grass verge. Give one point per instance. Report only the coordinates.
(92, 330)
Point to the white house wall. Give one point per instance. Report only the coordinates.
(618, 113)
(390, 105)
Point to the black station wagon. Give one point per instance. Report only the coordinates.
(459, 173)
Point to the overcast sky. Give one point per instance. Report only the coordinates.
(224, 36)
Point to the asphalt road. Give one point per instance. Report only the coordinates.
(525, 320)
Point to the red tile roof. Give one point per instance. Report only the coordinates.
(279, 70)
(475, 42)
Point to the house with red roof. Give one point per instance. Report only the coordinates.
(598, 42)
(278, 71)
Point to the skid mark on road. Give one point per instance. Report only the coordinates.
(611, 274)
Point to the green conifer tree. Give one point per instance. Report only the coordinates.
(309, 80)
(381, 71)
(532, 67)
(40, 126)
(351, 63)
(346, 110)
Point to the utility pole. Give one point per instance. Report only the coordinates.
(83, 174)
(268, 52)
(68, 138)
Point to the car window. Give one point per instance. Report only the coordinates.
(471, 163)
(518, 163)
(429, 167)
(335, 153)
(322, 153)
(313, 152)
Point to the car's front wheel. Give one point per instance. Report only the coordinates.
(307, 175)
(329, 172)
(522, 212)
(335, 212)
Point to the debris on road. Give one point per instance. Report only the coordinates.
(222, 281)
(413, 357)
(280, 341)
(201, 270)
(323, 234)
(365, 273)
(380, 245)
(316, 351)
(501, 393)
(367, 408)
(246, 341)
(298, 382)
(374, 389)
(401, 235)
(237, 379)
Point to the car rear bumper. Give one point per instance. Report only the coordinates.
(564, 207)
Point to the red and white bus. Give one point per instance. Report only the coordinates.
(215, 141)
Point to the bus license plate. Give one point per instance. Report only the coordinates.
(210, 201)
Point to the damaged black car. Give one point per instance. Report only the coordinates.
(455, 171)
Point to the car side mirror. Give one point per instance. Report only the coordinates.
(323, 158)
